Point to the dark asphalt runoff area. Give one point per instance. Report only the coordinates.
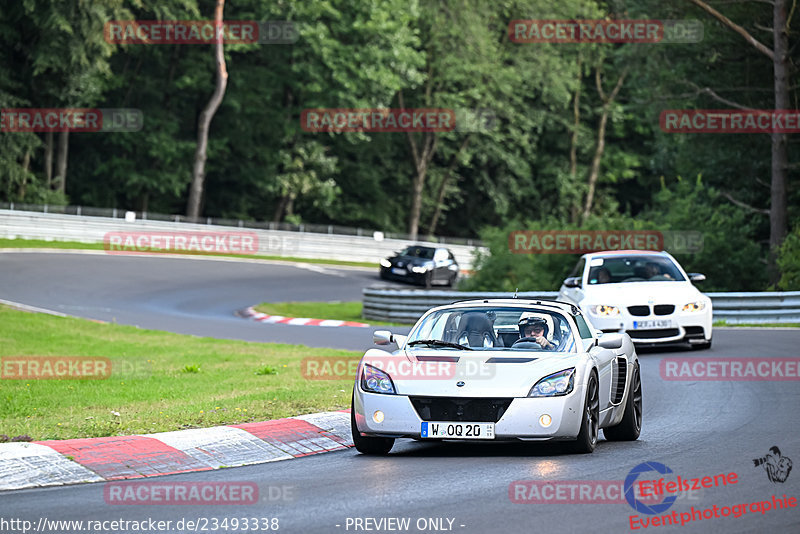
(696, 428)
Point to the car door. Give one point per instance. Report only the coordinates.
(603, 357)
(441, 263)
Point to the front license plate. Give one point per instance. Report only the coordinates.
(457, 430)
(654, 323)
(399, 271)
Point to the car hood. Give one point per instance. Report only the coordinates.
(484, 373)
(632, 293)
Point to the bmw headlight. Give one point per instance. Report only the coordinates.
(695, 306)
(555, 385)
(419, 269)
(386, 263)
(602, 310)
(376, 381)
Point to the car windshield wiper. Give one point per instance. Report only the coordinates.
(438, 343)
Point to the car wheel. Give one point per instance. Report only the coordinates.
(428, 279)
(631, 425)
(451, 282)
(702, 346)
(364, 444)
(590, 424)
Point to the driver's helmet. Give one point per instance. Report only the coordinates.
(527, 319)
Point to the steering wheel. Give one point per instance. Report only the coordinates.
(526, 340)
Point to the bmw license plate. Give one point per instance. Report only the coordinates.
(457, 430)
(395, 270)
(653, 323)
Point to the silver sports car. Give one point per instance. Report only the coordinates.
(499, 369)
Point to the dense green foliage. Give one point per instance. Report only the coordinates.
(528, 171)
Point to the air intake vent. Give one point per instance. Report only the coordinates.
(618, 385)
(663, 309)
(639, 311)
(480, 410)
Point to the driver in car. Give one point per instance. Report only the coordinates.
(535, 328)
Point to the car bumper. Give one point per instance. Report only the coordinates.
(694, 328)
(519, 422)
(409, 277)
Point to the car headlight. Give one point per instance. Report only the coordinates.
(386, 263)
(694, 306)
(376, 381)
(604, 311)
(555, 385)
(419, 269)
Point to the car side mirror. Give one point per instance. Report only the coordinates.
(572, 281)
(611, 341)
(696, 277)
(382, 337)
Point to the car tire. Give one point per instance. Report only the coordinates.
(451, 282)
(590, 422)
(428, 279)
(364, 444)
(631, 425)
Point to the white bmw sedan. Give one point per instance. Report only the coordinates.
(644, 294)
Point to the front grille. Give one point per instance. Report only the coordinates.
(639, 311)
(460, 409)
(651, 334)
(618, 385)
(663, 309)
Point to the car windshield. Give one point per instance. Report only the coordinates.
(419, 252)
(641, 268)
(494, 328)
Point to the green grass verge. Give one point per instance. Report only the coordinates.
(161, 381)
(757, 325)
(342, 311)
(39, 243)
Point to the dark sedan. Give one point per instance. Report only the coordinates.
(421, 265)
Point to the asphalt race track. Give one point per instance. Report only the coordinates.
(696, 428)
(187, 296)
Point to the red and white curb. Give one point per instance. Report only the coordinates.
(297, 321)
(73, 461)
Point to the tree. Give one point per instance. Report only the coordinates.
(779, 55)
(204, 122)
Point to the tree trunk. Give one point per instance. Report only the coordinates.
(443, 187)
(573, 148)
(780, 153)
(61, 161)
(48, 159)
(594, 173)
(26, 165)
(198, 171)
(278, 216)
